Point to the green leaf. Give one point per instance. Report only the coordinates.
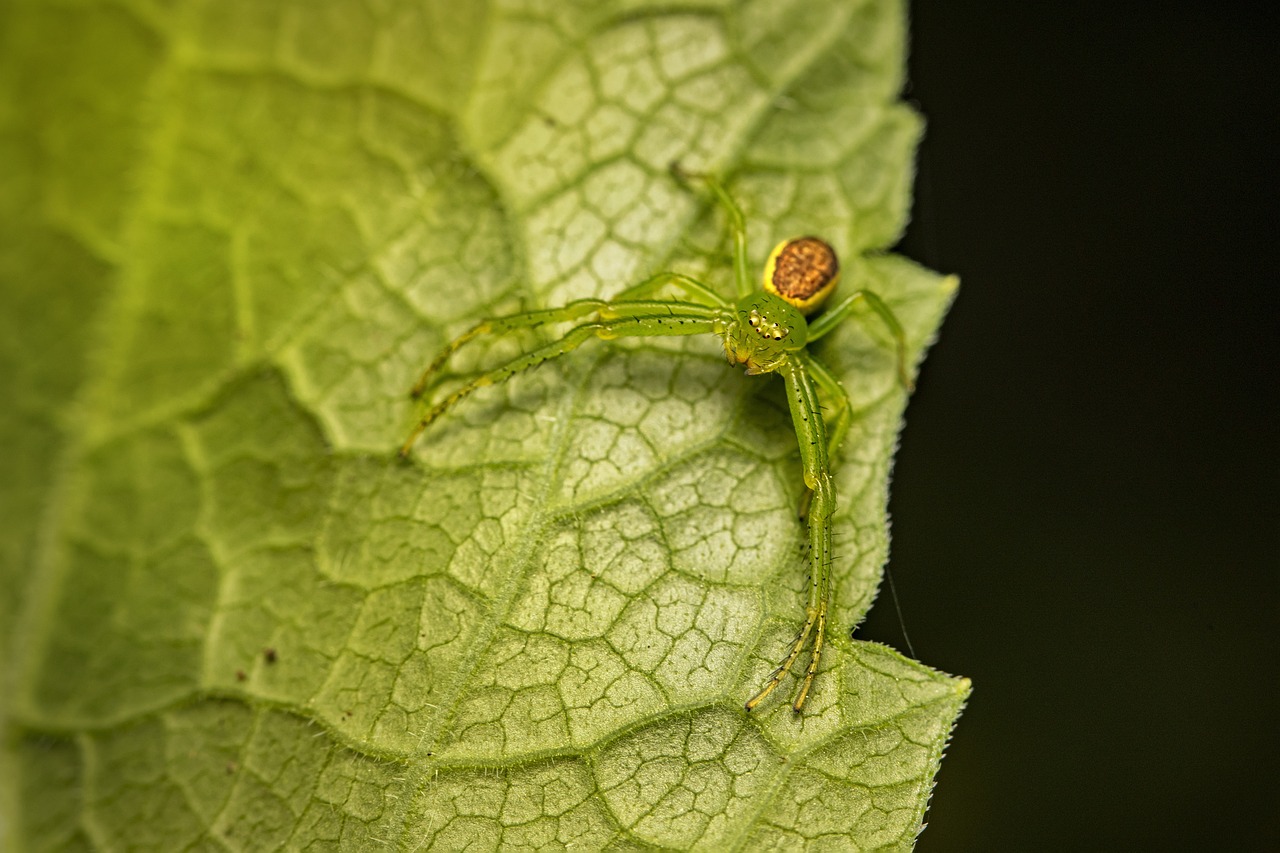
(233, 233)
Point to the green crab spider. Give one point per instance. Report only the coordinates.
(765, 330)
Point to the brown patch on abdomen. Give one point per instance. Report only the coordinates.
(803, 267)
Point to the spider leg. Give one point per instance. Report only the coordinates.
(501, 325)
(737, 224)
(576, 310)
(626, 319)
(811, 434)
(694, 289)
(837, 428)
(833, 316)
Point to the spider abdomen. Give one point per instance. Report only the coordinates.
(803, 271)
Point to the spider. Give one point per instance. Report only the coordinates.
(765, 330)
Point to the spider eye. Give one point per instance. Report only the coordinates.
(754, 319)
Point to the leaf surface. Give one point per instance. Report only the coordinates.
(235, 232)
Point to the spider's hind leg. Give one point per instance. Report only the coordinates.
(737, 223)
(833, 316)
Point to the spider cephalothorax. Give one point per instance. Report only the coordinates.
(765, 330)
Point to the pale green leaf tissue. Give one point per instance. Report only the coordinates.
(231, 234)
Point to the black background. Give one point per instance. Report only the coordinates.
(1085, 502)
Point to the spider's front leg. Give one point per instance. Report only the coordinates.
(579, 309)
(502, 325)
(811, 433)
(838, 428)
(618, 319)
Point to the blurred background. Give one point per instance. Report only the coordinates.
(1085, 501)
